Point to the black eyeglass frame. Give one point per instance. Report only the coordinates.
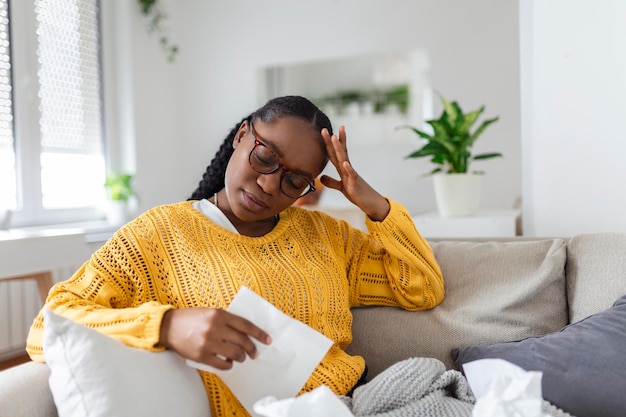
(279, 165)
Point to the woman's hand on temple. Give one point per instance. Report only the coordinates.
(350, 183)
(211, 336)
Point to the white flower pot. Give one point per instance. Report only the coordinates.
(5, 219)
(457, 195)
(117, 212)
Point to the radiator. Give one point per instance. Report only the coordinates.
(19, 304)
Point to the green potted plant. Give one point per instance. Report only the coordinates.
(120, 189)
(119, 186)
(449, 147)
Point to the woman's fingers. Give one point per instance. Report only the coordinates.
(243, 330)
(339, 146)
(212, 336)
(337, 151)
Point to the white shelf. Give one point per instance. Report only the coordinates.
(487, 223)
(36, 249)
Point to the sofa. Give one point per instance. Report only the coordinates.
(547, 303)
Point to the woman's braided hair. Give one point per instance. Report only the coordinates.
(293, 106)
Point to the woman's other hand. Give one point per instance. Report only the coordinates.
(211, 336)
(350, 183)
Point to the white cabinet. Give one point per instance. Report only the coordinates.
(487, 223)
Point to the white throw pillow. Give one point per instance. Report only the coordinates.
(95, 375)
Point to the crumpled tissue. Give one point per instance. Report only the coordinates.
(321, 402)
(282, 368)
(503, 389)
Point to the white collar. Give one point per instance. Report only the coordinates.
(214, 214)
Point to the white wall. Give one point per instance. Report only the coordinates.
(142, 95)
(574, 109)
(183, 110)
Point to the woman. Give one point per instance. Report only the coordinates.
(164, 280)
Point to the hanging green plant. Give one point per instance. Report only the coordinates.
(155, 15)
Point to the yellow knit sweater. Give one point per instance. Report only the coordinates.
(311, 266)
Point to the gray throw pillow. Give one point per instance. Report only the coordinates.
(583, 364)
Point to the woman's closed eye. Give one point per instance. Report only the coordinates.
(297, 182)
(266, 156)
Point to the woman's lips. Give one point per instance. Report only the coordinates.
(254, 203)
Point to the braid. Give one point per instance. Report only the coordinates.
(213, 178)
(292, 106)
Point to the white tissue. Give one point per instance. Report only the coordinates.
(282, 368)
(271, 355)
(503, 389)
(321, 402)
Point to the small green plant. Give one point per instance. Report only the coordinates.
(400, 97)
(450, 145)
(119, 186)
(380, 99)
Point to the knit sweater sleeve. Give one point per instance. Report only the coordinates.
(395, 265)
(114, 292)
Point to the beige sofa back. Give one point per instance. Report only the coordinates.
(497, 290)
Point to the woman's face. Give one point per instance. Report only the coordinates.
(297, 146)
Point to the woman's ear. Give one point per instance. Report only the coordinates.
(241, 132)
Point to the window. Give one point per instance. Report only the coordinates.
(52, 162)
(7, 156)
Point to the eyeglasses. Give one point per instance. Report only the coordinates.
(264, 161)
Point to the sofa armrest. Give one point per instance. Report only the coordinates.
(24, 391)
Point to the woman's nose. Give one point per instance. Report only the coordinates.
(270, 183)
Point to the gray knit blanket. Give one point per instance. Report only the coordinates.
(419, 387)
